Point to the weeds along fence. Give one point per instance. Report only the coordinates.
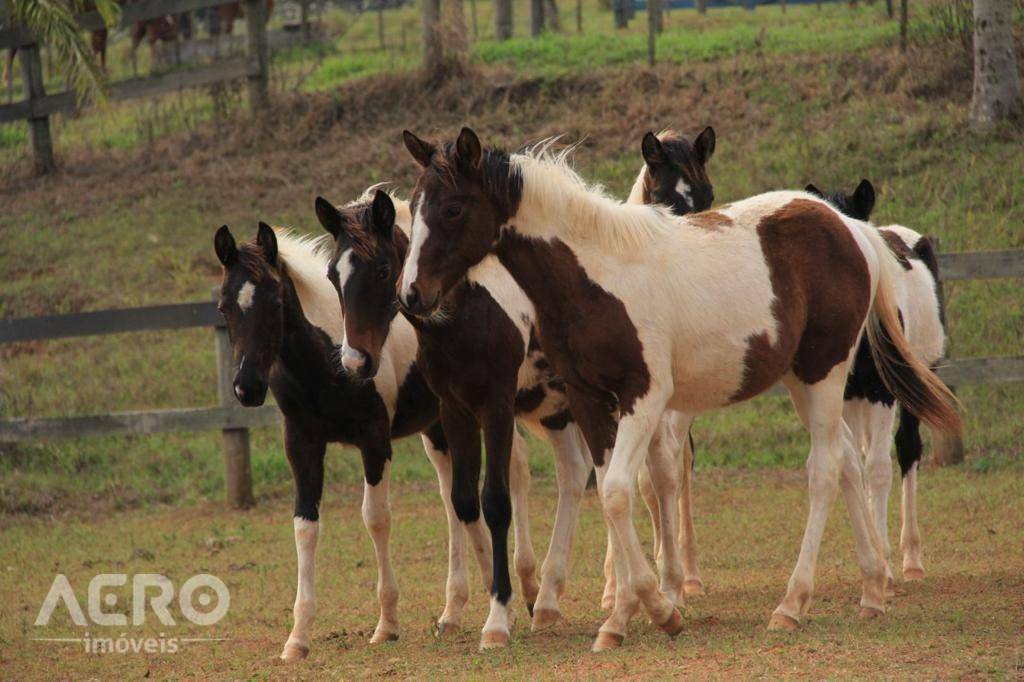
(37, 106)
(234, 422)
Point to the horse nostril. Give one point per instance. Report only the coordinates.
(239, 392)
(412, 297)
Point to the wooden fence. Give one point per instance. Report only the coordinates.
(38, 106)
(235, 422)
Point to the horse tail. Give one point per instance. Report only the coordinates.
(913, 384)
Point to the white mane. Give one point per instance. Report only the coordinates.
(556, 201)
(305, 260)
(403, 216)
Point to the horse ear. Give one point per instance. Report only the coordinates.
(811, 189)
(421, 150)
(267, 240)
(704, 145)
(653, 152)
(383, 213)
(329, 217)
(468, 149)
(224, 245)
(864, 198)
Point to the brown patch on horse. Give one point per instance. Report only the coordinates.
(711, 220)
(822, 289)
(592, 344)
(898, 247)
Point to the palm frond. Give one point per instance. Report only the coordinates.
(53, 22)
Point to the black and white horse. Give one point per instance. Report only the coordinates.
(870, 407)
(284, 321)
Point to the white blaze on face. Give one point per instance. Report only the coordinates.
(683, 189)
(419, 236)
(245, 296)
(345, 267)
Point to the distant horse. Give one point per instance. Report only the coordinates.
(639, 310)
(284, 321)
(870, 407)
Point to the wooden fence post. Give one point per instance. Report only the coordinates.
(259, 52)
(653, 12)
(237, 467)
(945, 449)
(39, 128)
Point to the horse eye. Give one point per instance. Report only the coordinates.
(452, 211)
(383, 272)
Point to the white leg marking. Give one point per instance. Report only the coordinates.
(692, 583)
(624, 601)
(910, 536)
(306, 535)
(572, 466)
(879, 473)
(524, 558)
(377, 517)
(457, 586)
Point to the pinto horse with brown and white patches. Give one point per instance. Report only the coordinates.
(870, 407)
(486, 370)
(639, 311)
(284, 322)
(481, 357)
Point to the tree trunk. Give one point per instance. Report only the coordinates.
(904, 20)
(551, 15)
(653, 12)
(472, 11)
(536, 17)
(888, 8)
(433, 60)
(502, 19)
(579, 16)
(702, 6)
(621, 13)
(997, 91)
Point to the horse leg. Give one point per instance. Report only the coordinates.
(377, 518)
(650, 498)
(306, 457)
(457, 586)
(879, 476)
(624, 601)
(498, 421)
(664, 475)
(610, 583)
(572, 466)
(820, 409)
(631, 448)
(524, 558)
(692, 584)
(908, 450)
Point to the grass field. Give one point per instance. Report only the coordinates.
(818, 96)
(964, 620)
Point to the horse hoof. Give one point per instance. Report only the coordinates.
(544, 618)
(380, 637)
(693, 588)
(608, 602)
(782, 622)
(493, 639)
(912, 574)
(606, 641)
(867, 612)
(445, 629)
(674, 625)
(294, 652)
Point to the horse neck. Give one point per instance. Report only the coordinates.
(305, 350)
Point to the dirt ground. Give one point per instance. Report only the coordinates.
(964, 620)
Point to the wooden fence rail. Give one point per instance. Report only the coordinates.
(234, 421)
(38, 106)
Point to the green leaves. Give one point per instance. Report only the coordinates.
(53, 22)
